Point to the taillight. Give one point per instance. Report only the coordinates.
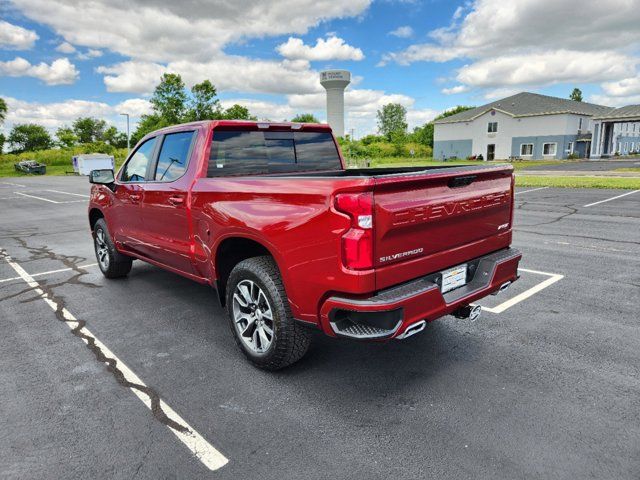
(357, 243)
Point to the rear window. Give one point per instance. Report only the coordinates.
(241, 152)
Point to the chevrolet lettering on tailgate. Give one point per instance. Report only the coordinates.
(448, 209)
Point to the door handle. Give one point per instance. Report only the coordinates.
(176, 200)
(134, 197)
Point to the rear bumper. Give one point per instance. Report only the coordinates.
(388, 313)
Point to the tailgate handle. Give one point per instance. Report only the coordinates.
(462, 181)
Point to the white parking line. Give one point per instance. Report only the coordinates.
(196, 443)
(532, 190)
(37, 198)
(612, 198)
(12, 184)
(69, 193)
(553, 278)
(40, 274)
(49, 200)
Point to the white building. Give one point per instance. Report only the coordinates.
(525, 125)
(616, 132)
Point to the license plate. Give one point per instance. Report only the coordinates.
(454, 278)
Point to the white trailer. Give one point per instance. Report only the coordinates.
(84, 164)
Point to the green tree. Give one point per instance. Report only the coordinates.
(115, 138)
(29, 137)
(147, 124)
(204, 104)
(576, 95)
(392, 119)
(305, 118)
(3, 110)
(2, 140)
(169, 99)
(89, 129)
(66, 137)
(238, 112)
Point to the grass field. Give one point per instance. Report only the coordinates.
(58, 161)
(578, 182)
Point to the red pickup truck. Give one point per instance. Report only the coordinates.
(268, 214)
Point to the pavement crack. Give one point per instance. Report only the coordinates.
(46, 291)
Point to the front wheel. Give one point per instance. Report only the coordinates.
(112, 263)
(260, 318)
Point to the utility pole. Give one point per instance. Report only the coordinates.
(128, 135)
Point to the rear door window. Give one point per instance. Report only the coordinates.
(174, 156)
(241, 152)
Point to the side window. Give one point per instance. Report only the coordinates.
(237, 153)
(173, 157)
(136, 168)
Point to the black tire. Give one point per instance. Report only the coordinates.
(112, 263)
(289, 341)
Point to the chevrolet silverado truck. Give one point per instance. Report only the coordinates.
(291, 240)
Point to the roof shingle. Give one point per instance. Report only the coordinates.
(527, 104)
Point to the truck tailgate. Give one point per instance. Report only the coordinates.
(431, 220)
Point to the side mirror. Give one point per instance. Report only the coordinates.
(102, 177)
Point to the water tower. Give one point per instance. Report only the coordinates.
(334, 82)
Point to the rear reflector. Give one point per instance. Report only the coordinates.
(357, 242)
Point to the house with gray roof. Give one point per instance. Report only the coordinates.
(616, 132)
(527, 125)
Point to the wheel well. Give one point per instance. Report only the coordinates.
(231, 252)
(94, 215)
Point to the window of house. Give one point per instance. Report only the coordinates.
(492, 127)
(526, 149)
(549, 148)
(174, 156)
(626, 147)
(580, 123)
(136, 168)
(570, 147)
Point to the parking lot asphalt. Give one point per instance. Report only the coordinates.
(548, 387)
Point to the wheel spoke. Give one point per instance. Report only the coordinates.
(241, 301)
(250, 329)
(268, 330)
(264, 341)
(246, 294)
(267, 314)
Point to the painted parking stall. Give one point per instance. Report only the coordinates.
(553, 351)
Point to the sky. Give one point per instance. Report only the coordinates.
(61, 59)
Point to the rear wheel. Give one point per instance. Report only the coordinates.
(112, 263)
(260, 318)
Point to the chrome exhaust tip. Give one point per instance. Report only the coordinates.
(472, 312)
(412, 330)
(502, 288)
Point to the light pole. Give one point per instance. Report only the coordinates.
(128, 136)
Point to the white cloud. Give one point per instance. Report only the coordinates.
(89, 54)
(15, 37)
(516, 43)
(166, 30)
(402, 32)
(264, 110)
(333, 48)
(135, 107)
(59, 72)
(257, 76)
(57, 114)
(547, 68)
(622, 88)
(65, 47)
(455, 90)
(613, 101)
